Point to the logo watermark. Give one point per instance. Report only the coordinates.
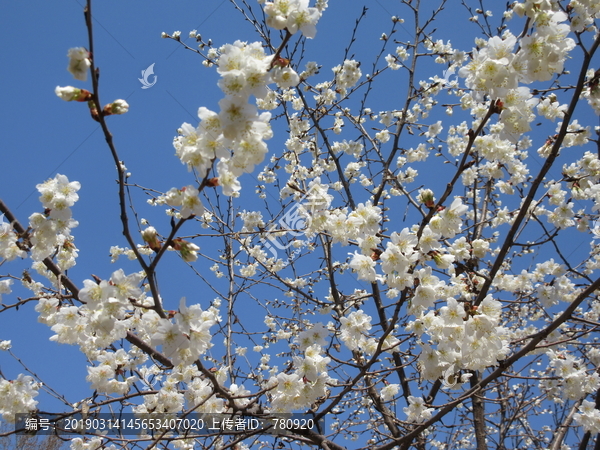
(149, 376)
(446, 81)
(452, 378)
(596, 229)
(148, 72)
(296, 222)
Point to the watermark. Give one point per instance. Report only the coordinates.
(149, 377)
(596, 229)
(446, 81)
(295, 222)
(148, 72)
(191, 424)
(452, 378)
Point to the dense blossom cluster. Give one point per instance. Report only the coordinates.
(109, 314)
(308, 382)
(17, 396)
(9, 249)
(235, 136)
(239, 127)
(52, 229)
(496, 70)
(588, 417)
(572, 380)
(294, 16)
(460, 339)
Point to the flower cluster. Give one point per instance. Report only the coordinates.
(416, 410)
(16, 396)
(9, 249)
(294, 16)
(460, 339)
(103, 377)
(315, 208)
(588, 417)
(398, 257)
(354, 330)
(199, 391)
(58, 196)
(239, 127)
(495, 69)
(314, 334)
(448, 222)
(544, 52)
(188, 337)
(573, 381)
(235, 136)
(109, 312)
(584, 12)
(404, 249)
(79, 64)
(491, 70)
(187, 199)
(52, 229)
(347, 75)
(103, 319)
(108, 303)
(302, 388)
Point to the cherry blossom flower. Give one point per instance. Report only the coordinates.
(417, 411)
(79, 63)
(389, 391)
(588, 417)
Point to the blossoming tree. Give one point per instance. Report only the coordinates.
(401, 276)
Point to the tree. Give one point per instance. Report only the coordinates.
(405, 272)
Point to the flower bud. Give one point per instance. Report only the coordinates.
(187, 250)
(281, 62)
(150, 236)
(212, 182)
(79, 63)
(117, 107)
(376, 255)
(426, 197)
(70, 93)
(498, 106)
